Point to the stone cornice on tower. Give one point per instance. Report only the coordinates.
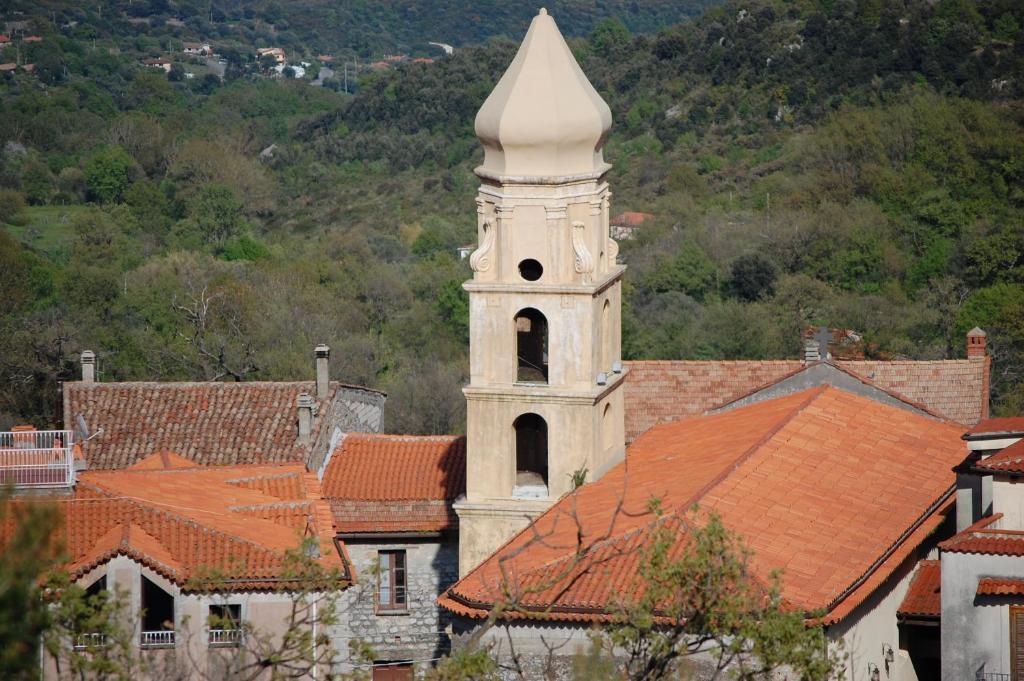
(543, 119)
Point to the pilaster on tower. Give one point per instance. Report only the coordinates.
(544, 403)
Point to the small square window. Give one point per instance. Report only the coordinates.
(391, 581)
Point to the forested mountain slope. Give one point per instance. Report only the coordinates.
(364, 28)
(855, 164)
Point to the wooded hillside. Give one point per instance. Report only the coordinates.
(853, 164)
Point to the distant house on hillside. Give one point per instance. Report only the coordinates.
(9, 67)
(164, 64)
(325, 59)
(422, 60)
(198, 49)
(32, 39)
(276, 52)
(5, 39)
(624, 225)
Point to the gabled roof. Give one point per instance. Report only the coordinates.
(835, 489)
(208, 422)
(923, 599)
(659, 391)
(1008, 462)
(1003, 425)
(985, 538)
(184, 522)
(395, 483)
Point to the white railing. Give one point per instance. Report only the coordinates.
(157, 639)
(85, 641)
(225, 637)
(37, 458)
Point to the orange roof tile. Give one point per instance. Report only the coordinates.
(659, 391)
(182, 521)
(1008, 461)
(923, 598)
(206, 423)
(985, 537)
(834, 489)
(1003, 424)
(997, 586)
(390, 483)
(630, 219)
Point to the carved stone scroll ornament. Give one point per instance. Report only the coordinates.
(584, 261)
(612, 250)
(480, 260)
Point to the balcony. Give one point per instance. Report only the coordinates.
(163, 638)
(90, 641)
(225, 638)
(32, 458)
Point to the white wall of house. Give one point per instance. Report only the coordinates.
(975, 634)
(872, 628)
(1008, 499)
(266, 612)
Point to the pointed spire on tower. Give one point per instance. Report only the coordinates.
(544, 118)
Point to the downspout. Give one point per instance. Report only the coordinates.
(314, 639)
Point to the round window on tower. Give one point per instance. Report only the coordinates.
(530, 269)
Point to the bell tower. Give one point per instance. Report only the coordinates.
(544, 403)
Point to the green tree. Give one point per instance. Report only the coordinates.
(753, 277)
(29, 550)
(108, 173)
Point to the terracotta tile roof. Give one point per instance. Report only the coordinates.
(393, 516)
(1003, 424)
(997, 586)
(984, 537)
(659, 391)
(923, 598)
(184, 521)
(206, 423)
(630, 219)
(1008, 461)
(391, 483)
(834, 489)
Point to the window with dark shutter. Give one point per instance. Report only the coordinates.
(391, 581)
(1017, 642)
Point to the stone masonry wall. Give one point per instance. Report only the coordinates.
(418, 635)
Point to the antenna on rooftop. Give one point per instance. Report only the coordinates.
(83, 428)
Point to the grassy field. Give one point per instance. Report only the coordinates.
(45, 228)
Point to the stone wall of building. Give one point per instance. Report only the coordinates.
(418, 635)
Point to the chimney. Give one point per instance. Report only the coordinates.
(811, 351)
(976, 341)
(323, 371)
(305, 403)
(88, 366)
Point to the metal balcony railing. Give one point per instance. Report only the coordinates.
(86, 641)
(225, 637)
(157, 639)
(37, 458)
(991, 676)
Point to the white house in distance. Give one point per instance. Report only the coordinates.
(276, 52)
(197, 49)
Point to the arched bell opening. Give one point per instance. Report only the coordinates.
(531, 433)
(531, 346)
